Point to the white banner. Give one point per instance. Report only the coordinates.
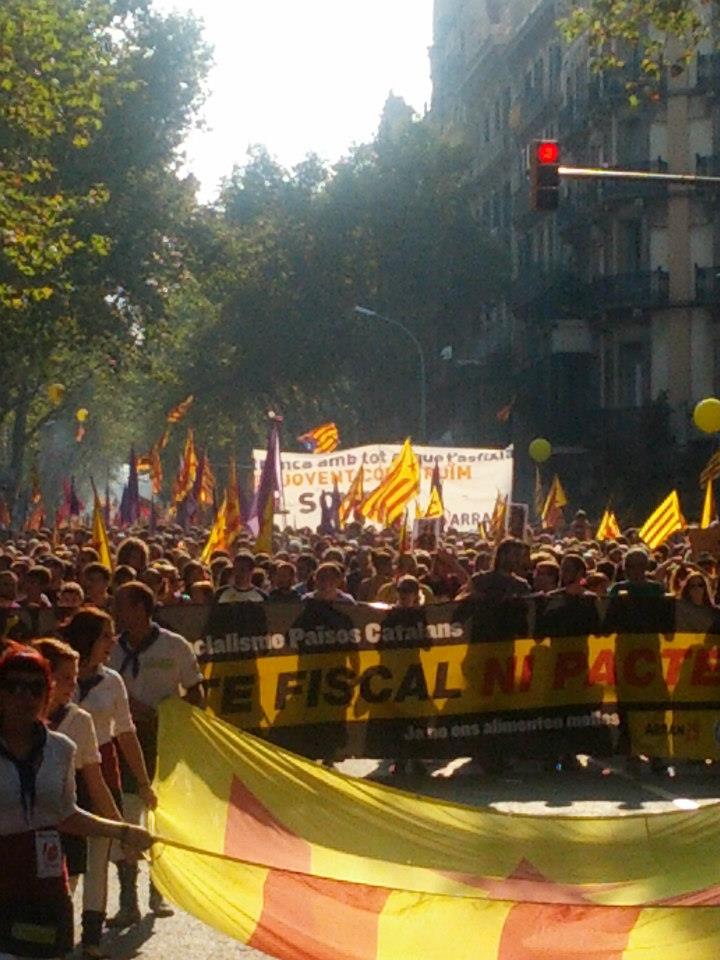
(471, 479)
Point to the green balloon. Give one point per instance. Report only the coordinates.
(540, 450)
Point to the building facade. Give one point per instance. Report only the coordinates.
(611, 330)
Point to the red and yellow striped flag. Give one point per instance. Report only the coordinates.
(554, 502)
(303, 863)
(177, 413)
(608, 528)
(663, 522)
(187, 471)
(385, 504)
(216, 539)
(323, 439)
(352, 500)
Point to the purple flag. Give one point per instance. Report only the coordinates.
(270, 482)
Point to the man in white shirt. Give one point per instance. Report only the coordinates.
(242, 589)
(155, 664)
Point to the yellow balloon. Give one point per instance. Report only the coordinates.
(706, 415)
(55, 392)
(81, 415)
(540, 450)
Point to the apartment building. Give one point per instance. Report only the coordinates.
(611, 331)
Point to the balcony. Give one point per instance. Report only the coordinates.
(639, 289)
(708, 72)
(707, 166)
(707, 285)
(625, 191)
(550, 292)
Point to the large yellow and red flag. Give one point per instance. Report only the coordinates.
(304, 863)
(216, 538)
(386, 503)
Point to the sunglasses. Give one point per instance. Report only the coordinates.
(36, 688)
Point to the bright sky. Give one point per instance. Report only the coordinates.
(303, 75)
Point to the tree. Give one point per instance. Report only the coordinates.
(101, 120)
(662, 32)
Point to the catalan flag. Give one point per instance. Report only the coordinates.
(662, 522)
(100, 538)
(712, 469)
(554, 502)
(177, 413)
(187, 472)
(323, 439)
(498, 520)
(216, 539)
(303, 863)
(709, 513)
(204, 487)
(350, 504)
(385, 504)
(233, 512)
(435, 507)
(262, 511)
(608, 528)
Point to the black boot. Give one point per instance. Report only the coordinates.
(159, 906)
(129, 912)
(92, 926)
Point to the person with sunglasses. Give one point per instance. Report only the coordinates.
(37, 801)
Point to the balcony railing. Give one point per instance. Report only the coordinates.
(708, 165)
(707, 285)
(622, 191)
(639, 289)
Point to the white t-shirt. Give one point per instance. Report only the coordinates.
(77, 724)
(107, 703)
(232, 594)
(54, 788)
(167, 668)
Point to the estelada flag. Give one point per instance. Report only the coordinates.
(303, 863)
(322, 439)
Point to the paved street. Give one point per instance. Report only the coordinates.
(589, 790)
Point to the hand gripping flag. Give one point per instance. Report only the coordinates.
(303, 863)
(323, 439)
(386, 503)
(662, 522)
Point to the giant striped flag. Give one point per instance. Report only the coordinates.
(323, 439)
(303, 863)
(663, 522)
(385, 504)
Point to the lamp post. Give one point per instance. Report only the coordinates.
(366, 312)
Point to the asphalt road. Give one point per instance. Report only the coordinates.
(591, 789)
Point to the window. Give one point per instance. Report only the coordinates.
(633, 374)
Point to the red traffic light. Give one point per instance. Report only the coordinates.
(548, 151)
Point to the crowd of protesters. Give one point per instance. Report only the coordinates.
(95, 677)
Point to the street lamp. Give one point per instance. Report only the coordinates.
(366, 312)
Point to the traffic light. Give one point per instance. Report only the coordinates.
(544, 175)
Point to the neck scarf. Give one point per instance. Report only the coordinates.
(132, 654)
(27, 767)
(86, 685)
